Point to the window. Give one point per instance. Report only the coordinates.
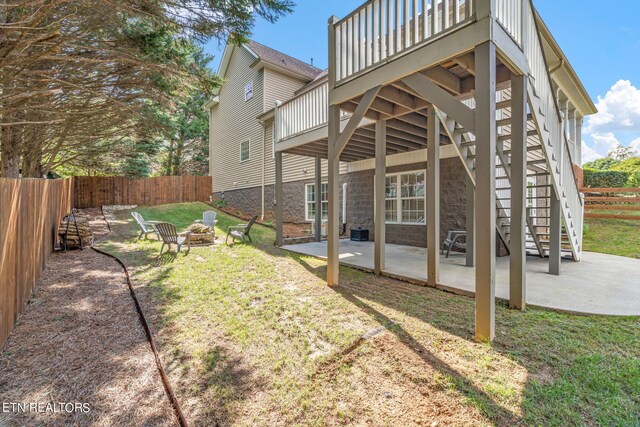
(405, 198)
(310, 198)
(248, 91)
(244, 151)
(531, 193)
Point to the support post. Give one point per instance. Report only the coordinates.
(279, 199)
(333, 260)
(433, 197)
(555, 231)
(578, 159)
(470, 222)
(485, 59)
(333, 168)
(379, 188)
(318, 186)
(518, 255)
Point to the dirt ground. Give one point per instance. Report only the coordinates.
(80, 341)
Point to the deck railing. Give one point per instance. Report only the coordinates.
(380, 30)
(303, 113)
(509, 13)
(559, 145)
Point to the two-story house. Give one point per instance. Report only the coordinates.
(258, 82)
(242, 145)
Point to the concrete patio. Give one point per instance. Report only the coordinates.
(599, 284)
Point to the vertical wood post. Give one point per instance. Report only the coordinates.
(470, 223)
(485, 215)
(333, 124)
(380, 195)
(333, 235)
(279, 199)
(555, 231)
(433, 197)
(518, 255)
(318, 219)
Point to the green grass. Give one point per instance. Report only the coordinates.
(612, 236)
(253, 335)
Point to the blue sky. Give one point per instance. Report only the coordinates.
(601, 40)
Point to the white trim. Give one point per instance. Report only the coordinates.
(248, 142)
(248, 91)
(399, 198)
(307, 202)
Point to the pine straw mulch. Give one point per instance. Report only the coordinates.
(80, 340)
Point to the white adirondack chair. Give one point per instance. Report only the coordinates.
(146, 227)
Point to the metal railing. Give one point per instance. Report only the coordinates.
(383, 29)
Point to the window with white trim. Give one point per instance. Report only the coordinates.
(405, 198)
(248, 91)
(310, 201)
(531, 193)
(244, 151)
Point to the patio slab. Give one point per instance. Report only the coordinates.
(599, 284)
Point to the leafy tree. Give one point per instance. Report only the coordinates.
(602, 164)
(78, 73)
(621, 153)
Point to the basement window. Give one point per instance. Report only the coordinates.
(310, 201)
(405, 198)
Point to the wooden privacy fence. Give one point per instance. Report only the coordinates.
(99, 191)
(30, 211)
(612, 200)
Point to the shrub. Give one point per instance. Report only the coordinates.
(605, 179)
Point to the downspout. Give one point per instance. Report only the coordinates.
(264, 135)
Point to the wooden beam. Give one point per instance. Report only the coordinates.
(379, 190)
(518, 179)
(318, 194)
(555, 238)
(485, 214)
(363, 106)
(433, 199)
(467, 61)
(333, 233)
(444, 78)
(433, 93)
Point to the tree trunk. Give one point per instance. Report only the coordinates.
(10, 141)
(177, 166)
(32, 163)
(169, 159)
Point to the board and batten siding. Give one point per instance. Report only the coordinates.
(232, 121)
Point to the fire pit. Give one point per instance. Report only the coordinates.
(201, 235)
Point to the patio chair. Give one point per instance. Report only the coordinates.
(170, 236)
(451, 241)
(241, 231)
(147, 227)
(208, 219)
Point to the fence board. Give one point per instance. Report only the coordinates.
(98, 191)
(30, 211)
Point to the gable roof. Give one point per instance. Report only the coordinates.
(270, 56)
(282, 60)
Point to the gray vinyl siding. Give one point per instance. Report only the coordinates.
(279, 87)
(233, 121)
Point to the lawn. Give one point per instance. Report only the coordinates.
(612, 236)
(251, 335)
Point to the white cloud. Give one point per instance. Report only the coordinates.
(618, 110)
(604, 142)
(589, 154)
(635, 144)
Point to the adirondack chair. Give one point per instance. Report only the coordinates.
(147, 227)
(170, 236)
(451, 241)
(208, 219)
(241, 231)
